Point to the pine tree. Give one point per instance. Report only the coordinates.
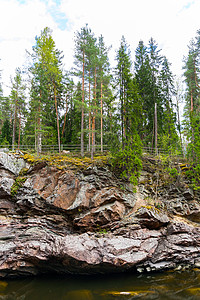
(92, 67)
(81, 48)
(17, 98)
(104, 80)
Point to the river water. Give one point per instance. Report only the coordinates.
(168, 285)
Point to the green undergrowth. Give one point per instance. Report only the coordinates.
(19, 181)
(69, 161)
(167, 170)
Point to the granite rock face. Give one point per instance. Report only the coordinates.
(11, 163)
(83, 223)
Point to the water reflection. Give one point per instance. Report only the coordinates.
(169, 285)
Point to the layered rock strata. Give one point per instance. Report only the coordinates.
(83, 223)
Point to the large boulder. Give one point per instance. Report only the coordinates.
(92, 200)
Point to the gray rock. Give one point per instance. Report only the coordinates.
(5, 186)
(4, 150)
(151, 217)
(188, 194)
(11, 163)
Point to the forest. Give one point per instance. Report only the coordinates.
(123, 109)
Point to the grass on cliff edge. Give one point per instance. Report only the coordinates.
(69, 160)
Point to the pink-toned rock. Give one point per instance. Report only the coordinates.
(90, 205)
(55, 186)
(55, 220)
(101, 216)
(152, 217)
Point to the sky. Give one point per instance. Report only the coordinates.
(172, 23)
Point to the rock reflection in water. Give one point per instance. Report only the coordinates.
(79, 295)
(169, 285)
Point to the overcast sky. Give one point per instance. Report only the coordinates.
(172, 23)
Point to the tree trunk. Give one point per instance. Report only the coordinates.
(192, 120)
(19, 129)
(66, 110)
(125, 113)
(93, 117)
(89, 137)
(14, 126)
(156, 130)
(191, 102)
(39, 135)
(58, 126)
(101, 116)
(82, 109)
(179, 122)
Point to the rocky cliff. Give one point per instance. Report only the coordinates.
(55, 219)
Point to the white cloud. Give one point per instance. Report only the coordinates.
(172, 23)
(20, 23)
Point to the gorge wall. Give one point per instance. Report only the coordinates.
(88, 221)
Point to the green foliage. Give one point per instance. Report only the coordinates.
(4, 142)
(5, 137)
(127, 160)
(46, 91)
(156, 85)
(101, 230)
(170, 143)
(173, 172)
(19, 181)
(92, 112)
(193, 173)
(17, 100)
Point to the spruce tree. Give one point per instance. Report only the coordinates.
(46, 89)
(129, 145)
(192, 119)
(169, 140)
(143, 79)
(6, 133)
(5, 117)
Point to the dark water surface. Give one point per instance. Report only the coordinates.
(168, 285)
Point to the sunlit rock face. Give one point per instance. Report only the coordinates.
(59, 221)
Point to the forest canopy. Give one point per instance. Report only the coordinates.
(134, 105)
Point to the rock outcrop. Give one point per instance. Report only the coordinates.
(83, 223)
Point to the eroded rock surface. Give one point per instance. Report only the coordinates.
(11, 163)
(84, 223)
